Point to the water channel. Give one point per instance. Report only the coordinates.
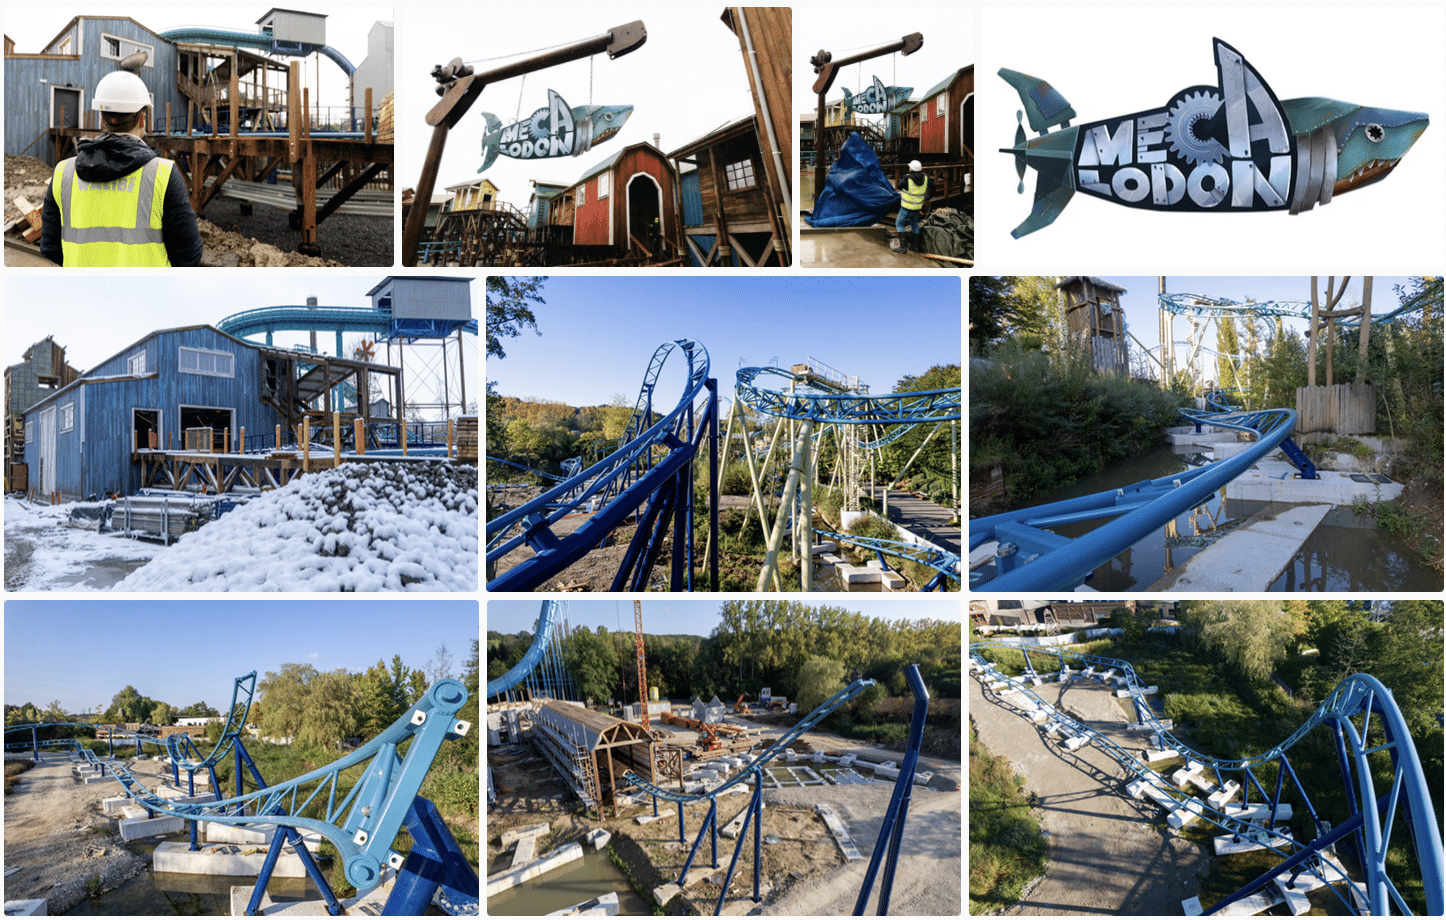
(590, 877)
(1345, 553)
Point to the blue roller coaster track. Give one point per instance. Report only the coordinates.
(900, 412)
(650, 475)
(1388, 801)
(1032, 558)
(257, 41)
(944, 563)
(303, 318)
(527, 469)
(1205, 305)
(361, 824)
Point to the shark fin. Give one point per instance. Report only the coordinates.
(1043, 103)
(491, 137)
(1049, 201)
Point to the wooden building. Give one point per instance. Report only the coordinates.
(1092, 314)
(42, 371)
(628, 202)
(592, 750)
(946, 117)
(477, 193)
(53, 88)
(731, 213)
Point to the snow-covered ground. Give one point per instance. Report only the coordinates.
(45, 552)
(359, 527)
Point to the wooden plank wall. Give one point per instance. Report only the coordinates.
(771, 28)
(1345, 408)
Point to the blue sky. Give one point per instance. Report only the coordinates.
(597, 333)
(1142, 311)
(699, 617)
(182, 652)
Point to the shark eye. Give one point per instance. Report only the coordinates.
(1375, 133)
(608, 116)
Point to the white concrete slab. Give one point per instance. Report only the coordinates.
(223, 859)
(514, 877)
(840, 832)
(1274, 481)
(649, 819)
(1250, 557)
(35, 907)
(136, 828)
(532, 830)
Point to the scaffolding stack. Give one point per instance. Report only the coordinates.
(564, 745)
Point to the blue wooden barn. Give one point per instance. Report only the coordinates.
(80, 441)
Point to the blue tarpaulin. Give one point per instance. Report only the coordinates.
(856, 192)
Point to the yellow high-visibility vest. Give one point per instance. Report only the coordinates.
(115, 223)
(912, 197)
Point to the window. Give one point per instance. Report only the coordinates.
(924, 112)
(30, 431)
(740, 175)
(939, 107)
(604, 183)
(136, 364)
(115, 48)
(207, 363)
(67, 416)
(66, 46)
(582, 194)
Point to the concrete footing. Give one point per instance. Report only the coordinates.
(1250, 557)
(604, 906)
(367, 903)
(840, 832)
(223, 859)
(215, 832)
(1274, 481)
(37, 907)
(137, 828)
(649, 819)
(514, 877)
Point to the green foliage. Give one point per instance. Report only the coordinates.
(820, 679)
(312, 707)
(1049, 419)
(1252, 635)
(509, 309)
(1023, 310)
(874, 527)
(93, 885)
(593, 662)
(1007, 849)
(13, 769)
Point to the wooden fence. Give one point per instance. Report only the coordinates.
(1345, 408)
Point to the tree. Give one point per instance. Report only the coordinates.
(820, 679)
(1252, 635)
(509, 309)
(593, 663)
(440, 664)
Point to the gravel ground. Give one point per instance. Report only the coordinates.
(49, 836)
(349, 239)
(1108, 853)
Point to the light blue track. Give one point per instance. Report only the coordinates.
(1032, 558)
(1403, 805)
(255, 41)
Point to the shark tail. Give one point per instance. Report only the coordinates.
(491, 137)
(1044, 104)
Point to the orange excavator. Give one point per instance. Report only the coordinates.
(740, 707)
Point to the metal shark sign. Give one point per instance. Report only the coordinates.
(877, 99)
(1229, 147)
(555, 130)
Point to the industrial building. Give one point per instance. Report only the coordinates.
(42, 371)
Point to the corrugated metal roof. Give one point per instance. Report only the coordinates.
(944, 84)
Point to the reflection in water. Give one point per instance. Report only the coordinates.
(579, 881)
(1344, 553)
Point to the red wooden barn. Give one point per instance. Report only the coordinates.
(946, 116)
(627, 201)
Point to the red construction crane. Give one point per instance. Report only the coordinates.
(642, 662)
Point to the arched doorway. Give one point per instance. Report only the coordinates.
(645, 213)
(966, 126)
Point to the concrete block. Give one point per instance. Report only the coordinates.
(1180, 776)
(824, 546)
(111, 805)
(1156, 756)
(1077, 742)
(137, 828)
(97, 778)
(1258, 812)
(598, 838)
(514, 877)
(532, 830)
(857, 574)
(134, 811)
(1295, 899)
(1219, 797)
(37, 907)
(649, 819)
(223, 859)
(1253, 555)
(603, 906)
(525, 852)
(893, 581)
(368, 903)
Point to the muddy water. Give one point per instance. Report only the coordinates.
(1344, 554)
(592, 876)
(164, 894)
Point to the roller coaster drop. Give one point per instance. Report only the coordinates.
(1362, 717)
(361, 827)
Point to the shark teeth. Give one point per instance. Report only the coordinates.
(1370, 166)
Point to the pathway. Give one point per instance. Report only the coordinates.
(923, 517)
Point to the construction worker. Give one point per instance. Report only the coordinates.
(914, 190)
(116, 203)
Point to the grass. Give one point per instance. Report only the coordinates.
(1007, 848)
(13, 769)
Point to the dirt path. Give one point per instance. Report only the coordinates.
(1108, 853)
(60, 840)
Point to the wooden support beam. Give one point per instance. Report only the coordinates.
(214, 189)
(345, 194)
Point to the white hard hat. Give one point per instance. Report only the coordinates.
(120, 92)
(915, 166)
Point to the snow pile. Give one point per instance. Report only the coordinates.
(45, 550)
(360, 527)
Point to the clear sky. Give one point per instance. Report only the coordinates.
(95, 316)
(699, 617)
(685, 81)
(182, 652)
(597, 333)
(949, 32)
(32, 26)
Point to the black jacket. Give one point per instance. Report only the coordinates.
(111, 156)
